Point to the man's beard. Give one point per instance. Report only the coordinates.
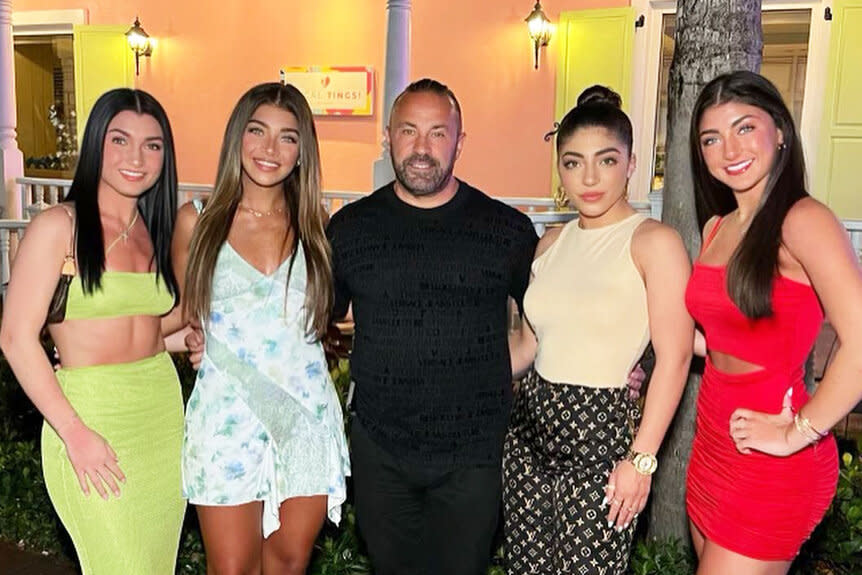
(434, 181)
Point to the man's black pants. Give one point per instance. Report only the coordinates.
(417, 521)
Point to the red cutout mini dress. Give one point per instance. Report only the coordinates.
(758, 505)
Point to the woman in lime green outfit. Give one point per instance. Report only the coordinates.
(113, 414)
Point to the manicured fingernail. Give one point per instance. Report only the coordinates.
(626, 526)
(619, 528)
(610, 524)
(605, 501)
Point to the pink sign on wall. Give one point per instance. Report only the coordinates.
(335, 90)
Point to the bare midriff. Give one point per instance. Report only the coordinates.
(86, 342)
(732, 364)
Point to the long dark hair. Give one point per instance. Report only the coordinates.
(157, 205)
(754, 264)
(597, 106)
(305, 213)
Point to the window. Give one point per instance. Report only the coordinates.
(796, 58)
(45, 97)
(785, 59)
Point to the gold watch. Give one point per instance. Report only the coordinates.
(644, 463)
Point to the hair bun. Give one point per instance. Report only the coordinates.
(600, 95)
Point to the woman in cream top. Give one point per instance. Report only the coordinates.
(578, 459)
(608, 294)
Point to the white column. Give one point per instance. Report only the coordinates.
(397, 76)
(11, 158)
(656, 203)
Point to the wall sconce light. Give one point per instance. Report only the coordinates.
(139, 42)
(540, 30)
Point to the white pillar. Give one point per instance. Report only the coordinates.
(11, 158)
(397, 76)
(656, 204)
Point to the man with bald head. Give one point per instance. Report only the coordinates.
(428, 264)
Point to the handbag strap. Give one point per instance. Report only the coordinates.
(70, 266)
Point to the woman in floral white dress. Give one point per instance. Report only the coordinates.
(264, 458)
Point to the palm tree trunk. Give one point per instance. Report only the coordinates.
(712, 37)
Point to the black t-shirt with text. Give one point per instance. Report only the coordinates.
(429, 289)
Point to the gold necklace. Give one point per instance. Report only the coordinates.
(258, 214)
(124, 235)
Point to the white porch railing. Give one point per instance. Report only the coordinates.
(39, 193)
(9, 230)
(854, 229)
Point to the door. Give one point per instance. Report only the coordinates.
(838, 182)
(595, 48)
(103, 61)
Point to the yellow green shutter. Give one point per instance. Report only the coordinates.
(103, 61)
(595, 48)
(838, 182)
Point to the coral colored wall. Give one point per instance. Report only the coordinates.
(208, 54)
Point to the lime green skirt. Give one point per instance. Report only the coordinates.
(137, 407)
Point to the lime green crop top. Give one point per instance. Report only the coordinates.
(121, 294)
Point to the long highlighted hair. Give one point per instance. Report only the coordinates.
(305, 213)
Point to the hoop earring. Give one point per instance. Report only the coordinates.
(561, 200)
(782, 146)
(298, 161)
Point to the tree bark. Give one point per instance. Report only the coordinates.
(712, 37)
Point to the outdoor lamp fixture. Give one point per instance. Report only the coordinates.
(139, 42)
(540, 30)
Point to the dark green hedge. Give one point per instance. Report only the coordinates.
(26, 514)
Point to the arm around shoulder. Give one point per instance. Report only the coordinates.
(187, 218)
(523, 343)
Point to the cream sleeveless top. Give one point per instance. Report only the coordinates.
(588, 307)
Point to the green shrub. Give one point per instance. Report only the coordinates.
(835, 546)
(26, 514)
(191, 559)
(337, 550)
(661, 557)
(339, 370)
(19, 419)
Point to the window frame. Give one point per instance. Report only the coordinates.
(46, 22)
(647, 66)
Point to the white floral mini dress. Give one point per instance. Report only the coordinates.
(263, 422)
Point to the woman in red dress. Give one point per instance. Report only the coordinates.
(764, 466)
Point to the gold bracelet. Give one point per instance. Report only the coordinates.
(803, 431)
(803, 425)
(807, 422)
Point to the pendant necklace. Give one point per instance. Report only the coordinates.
(124, 235)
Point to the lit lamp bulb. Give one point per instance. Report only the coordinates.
(540, 30)
(139, 42)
